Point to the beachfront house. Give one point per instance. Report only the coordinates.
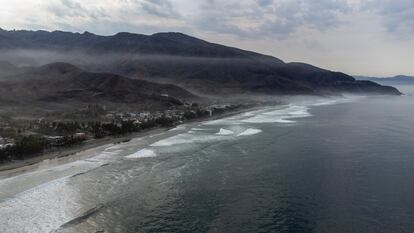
(6, 143)
(55, 140)
(80, 136)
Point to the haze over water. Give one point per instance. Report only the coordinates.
(336, 165)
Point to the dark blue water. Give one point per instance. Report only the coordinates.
(344, 167)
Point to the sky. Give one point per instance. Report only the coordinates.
(358, 37)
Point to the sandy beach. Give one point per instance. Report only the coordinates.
(93, 147)
(69, 154)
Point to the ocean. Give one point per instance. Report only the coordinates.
(343, 164)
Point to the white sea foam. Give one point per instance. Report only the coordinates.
(123, 145)
(107, 155)
(155, 135)
(180, 127)
(177, 139)
(250, 131)
(225, 132)
(283, 121)
(41, 209)
(323, 102)
(282, 115)
(331, 101)
(114, 152)
(186, 138)
(291, 110)
(225, 121)
(62, 170)
(235, 125)
(198, 129)
(115, 147)
(144, 153)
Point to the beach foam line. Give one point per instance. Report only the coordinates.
(198, 129)
(250, 131)
(225, 132)
(56, 198)
(144, 153)
(280, 115)
(180, 127)
(225, 121)
(177, 139)
(83, 217)
(185, 138)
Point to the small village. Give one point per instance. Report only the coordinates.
(29, 138)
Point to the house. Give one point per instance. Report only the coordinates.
(6, 143)
(137, 122)
(131, 115)
(110, 116)
(55, 140)
(144, 114)
(80, 136)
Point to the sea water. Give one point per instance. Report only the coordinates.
(327, 165)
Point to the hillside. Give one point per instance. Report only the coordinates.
(68, 86)
(396, 80)
(194, 64)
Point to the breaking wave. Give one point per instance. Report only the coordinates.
(249, 132)
(282, 115)
(144, 153)
(225, 132)
(184, 138)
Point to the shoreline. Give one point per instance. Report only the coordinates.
(75, 153)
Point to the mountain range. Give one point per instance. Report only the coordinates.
(132, 68)
(63, 83)
(395, 80)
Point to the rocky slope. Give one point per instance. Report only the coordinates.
(65, 84)
(200, 66)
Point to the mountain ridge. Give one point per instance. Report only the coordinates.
(122, 41)
(393, 79)
(67, 84)
(194, 64)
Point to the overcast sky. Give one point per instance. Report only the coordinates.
(368, 37)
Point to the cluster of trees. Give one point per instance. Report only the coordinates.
(24, 147)
(193, 114)
(27, 146)
(100, 130)
(60, 128)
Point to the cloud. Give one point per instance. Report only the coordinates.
(397, 15)
(278, 18)
(242, 18)
(160, 8)
(72, 9)
(349, 35)
(102, 17)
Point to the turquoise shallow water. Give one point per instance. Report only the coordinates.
(343, 165)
